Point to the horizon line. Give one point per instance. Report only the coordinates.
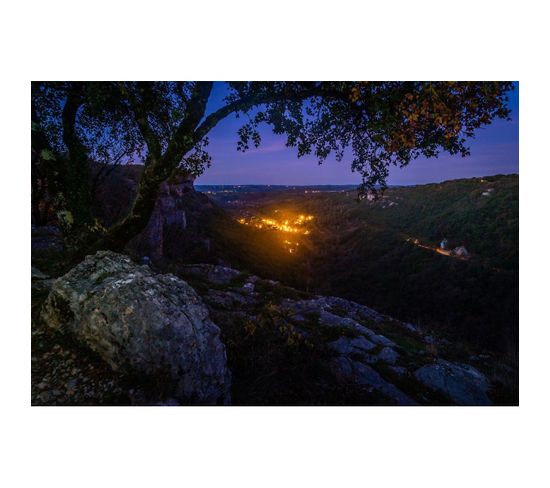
(355, 184)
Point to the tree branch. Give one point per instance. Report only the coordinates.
(182, 141)
(251, 101)
(68, 117)
(140, 115)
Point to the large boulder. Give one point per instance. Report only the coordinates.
(143, 323)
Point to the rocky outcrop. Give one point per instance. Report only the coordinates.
(358, 347)
(392, 360)
(362, 374)
(285, 346)
(462, 382)
(153, 326)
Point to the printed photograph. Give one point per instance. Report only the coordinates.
(283, 243)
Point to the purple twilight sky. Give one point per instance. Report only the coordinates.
(494, 150)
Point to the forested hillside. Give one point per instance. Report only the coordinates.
(383, 253)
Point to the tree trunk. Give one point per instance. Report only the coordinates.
(77, 169)
(66, 176)
(47, 172)
(116, 238)
(158, 168)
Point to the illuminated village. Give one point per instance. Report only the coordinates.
(294, 225)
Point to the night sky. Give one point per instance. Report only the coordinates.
(494, 150)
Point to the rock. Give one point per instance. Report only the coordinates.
(370, 359)
(388, 355)
(348, 368)
(217, 275)
(225, 299)
(327, 307)
(140, 322)
(399, 370)
(381, 340)
(361, 374)
(366, 375)
(345, 324)
(248, 287)
(36, 274)
(341, 346)
(351, 309)
(464, 384)
(338, 308)
(346, 345)
(362, 344)
(333, 320)
(412, 328)
(342, 368)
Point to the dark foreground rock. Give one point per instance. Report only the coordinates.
(288, 347)
(153, 326)
(462, 382)
(119, 334)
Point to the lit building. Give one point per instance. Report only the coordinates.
(461, 252)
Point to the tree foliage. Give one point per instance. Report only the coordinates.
(166, 125)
